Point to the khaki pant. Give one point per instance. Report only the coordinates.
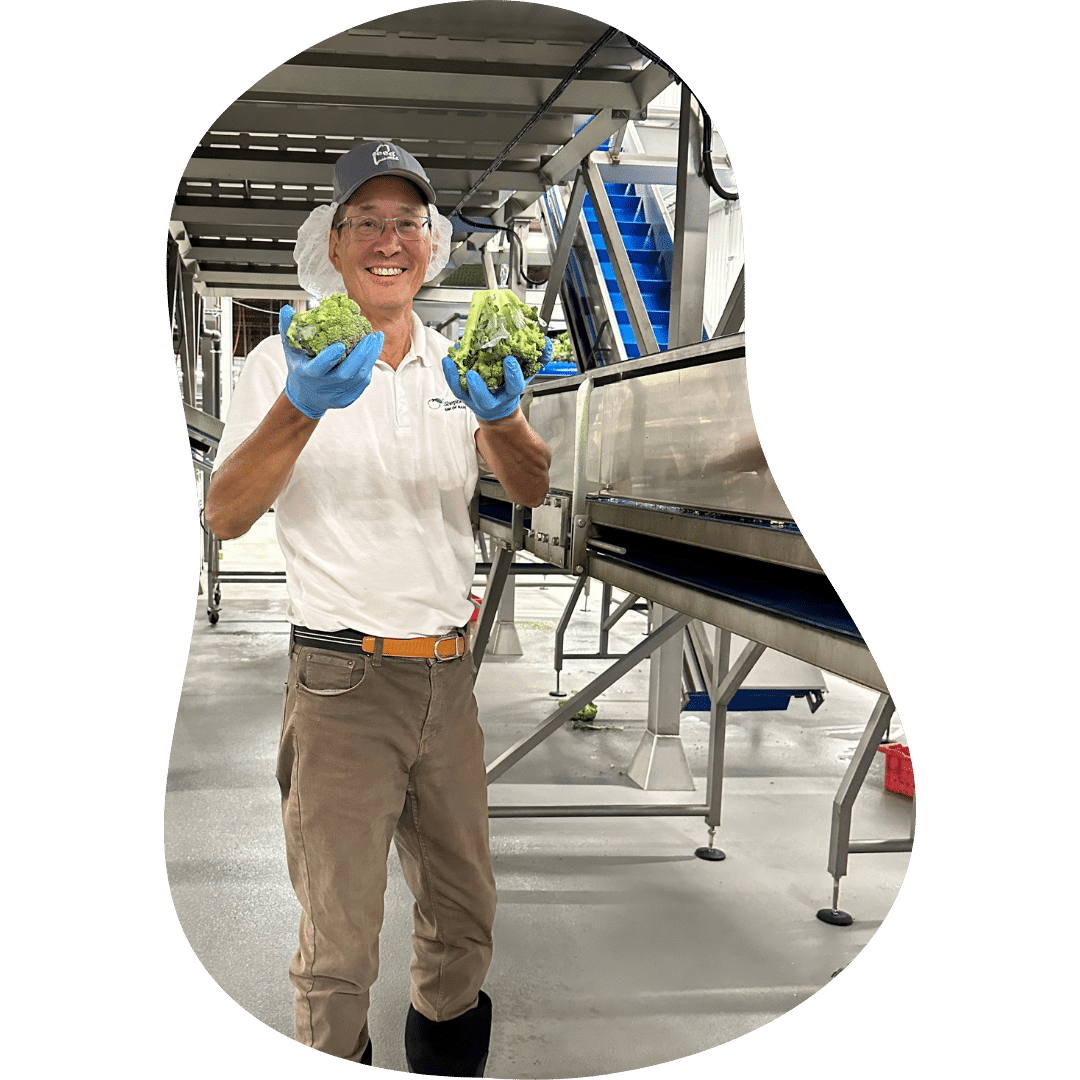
(368, 753)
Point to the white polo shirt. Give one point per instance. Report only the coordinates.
(374, 521)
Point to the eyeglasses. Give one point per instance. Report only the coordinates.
(370, 226)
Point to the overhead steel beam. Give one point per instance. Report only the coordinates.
(475, 126)
(482, 20)
(193, 212)
(600, 128)
(605, 123)
(249, 292)
(239, 278)
(256, 167)
(450, 294)
(494, 48)
(256, 255)
(234, 231)
(179, 235)
(444, 90)
(636, 169)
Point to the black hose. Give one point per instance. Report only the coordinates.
(706, 138)
(514, 239)
(706, 157)
(576, 70)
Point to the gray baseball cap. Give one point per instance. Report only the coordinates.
(371, 159)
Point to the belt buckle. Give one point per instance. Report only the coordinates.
(454, 636)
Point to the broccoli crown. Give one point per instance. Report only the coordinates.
(336, 318)
(562, 348)
(499, 325)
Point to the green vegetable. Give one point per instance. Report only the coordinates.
(586, 712)
(499, 325)
(562, 349)
(336, 318)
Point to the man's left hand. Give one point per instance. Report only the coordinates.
(488, 404)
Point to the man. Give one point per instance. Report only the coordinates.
(370, 466)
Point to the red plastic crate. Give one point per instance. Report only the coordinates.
(899, 776)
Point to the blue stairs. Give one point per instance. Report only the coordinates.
(650, 268)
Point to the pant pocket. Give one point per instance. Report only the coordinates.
(328, 674)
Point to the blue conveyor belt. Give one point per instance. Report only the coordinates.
(778, 590)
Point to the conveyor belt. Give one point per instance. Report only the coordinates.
(496, 510)
(776, 590)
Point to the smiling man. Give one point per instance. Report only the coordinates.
(380, 740)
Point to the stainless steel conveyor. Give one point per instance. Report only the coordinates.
(659, 488)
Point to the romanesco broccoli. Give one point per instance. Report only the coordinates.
(336, 318)
(499, 325)
(563, 350)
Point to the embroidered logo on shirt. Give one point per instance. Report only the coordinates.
(383, 152)
(446, 406)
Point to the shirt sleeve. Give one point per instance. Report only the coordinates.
(261, 381)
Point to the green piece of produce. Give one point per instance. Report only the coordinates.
(335, 318)
(498, 325)
(586, 712)
(562, 349)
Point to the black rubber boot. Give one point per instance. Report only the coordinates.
(365, 1057)
(457, 1047)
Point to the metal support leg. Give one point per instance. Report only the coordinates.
(714, 781)
(212, 555)
(725, 683)
(691, 233)
(605, 612)
(560, 631)
(505, 643)
(617, 614)
(673, 626)
(660, 761)
(840, 845)
(500, 570)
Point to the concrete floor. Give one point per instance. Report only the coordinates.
(616, 948)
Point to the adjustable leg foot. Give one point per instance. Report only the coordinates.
(710, 853)
(556, 692)
(834, 916)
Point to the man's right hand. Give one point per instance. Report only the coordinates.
(330, 380)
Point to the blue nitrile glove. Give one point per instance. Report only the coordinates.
(489, 405)
(317, 383)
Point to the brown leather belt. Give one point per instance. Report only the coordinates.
(447, 647)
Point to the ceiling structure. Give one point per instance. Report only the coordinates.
(454, 84)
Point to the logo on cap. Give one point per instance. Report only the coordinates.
(383, 152)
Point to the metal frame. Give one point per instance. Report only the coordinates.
(693, 196)
(620, 261)
(840, 843)
(589, 558)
